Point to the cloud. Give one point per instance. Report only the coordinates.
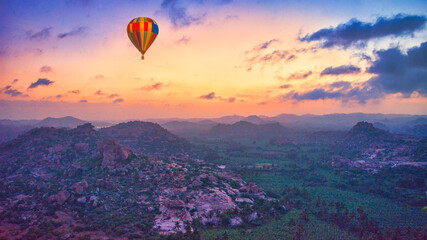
(356, 33)
(344, 69)
(108, 95)
(118, 100)
(41, 35)
(113, 95)
(208, 96)
(340, 85)
(400, 73)
(299, 75)
(285, 86)
(272, 58)
(12, 92)
(212, 96)
(178, 15)
(277, 56)
(45, 69)
(156, 86)
(262, 46)
(340, 90)
(74, 91)
(315, 94)
(231, 99)
(230, 17)
(75, 32)
(59, 96)
(40, 82)
(183, 40)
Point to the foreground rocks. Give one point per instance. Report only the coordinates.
(58, 183)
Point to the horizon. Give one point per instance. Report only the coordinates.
(74, 58)
(211, 118)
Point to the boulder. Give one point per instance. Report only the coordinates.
(81, 199)
(62, 196)
(94, 200)
(176, 204)
(244, 200)
(196, 183)
(253, 216)
(112, 153)
(236, 221)
(80, 186)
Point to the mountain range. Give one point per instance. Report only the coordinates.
(196, 127)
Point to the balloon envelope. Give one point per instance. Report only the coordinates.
(142, 32)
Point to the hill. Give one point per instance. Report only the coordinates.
(68, 122)
(147, 137)
(69, 183)
(189, 129)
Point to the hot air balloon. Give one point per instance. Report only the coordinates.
(142, 32)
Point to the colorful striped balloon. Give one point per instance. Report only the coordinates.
(142, 32)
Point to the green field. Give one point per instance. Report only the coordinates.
(275, 167)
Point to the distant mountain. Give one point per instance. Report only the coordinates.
(381, 126)
(256, 119)
(228, 119)
(68, 122)
(417, 130)
(189, 129)
(285, 118)
(417, 121)
(147, 137)
(243, 129)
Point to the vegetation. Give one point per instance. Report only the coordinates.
(322, 201)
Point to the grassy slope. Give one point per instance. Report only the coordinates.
(246, 154)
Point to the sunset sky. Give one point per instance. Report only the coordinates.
(212, 58)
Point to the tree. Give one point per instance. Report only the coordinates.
(177, 226)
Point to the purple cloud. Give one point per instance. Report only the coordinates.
(118, 100)
(357, 33)
(41, 35)
(285, 86)
(183, 40)
(156, 86)
(178, 15)
(41, 82)
(208, 96)
(45, 69)
(75, 32)
(344, 69)
(299, 75)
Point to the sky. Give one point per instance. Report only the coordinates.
(212, 58)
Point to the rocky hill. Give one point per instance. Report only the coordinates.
(80, 184)
(147, 138)
(371, 148)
